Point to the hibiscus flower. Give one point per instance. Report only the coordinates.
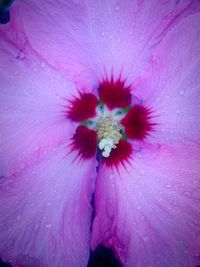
(99, 116)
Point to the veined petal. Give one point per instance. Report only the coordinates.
(81, 38)
(32, 118)
(170, 85)
(45, 213)
(149, 214)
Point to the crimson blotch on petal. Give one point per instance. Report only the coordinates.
(137, 122)
(120, 155)
(115, 94)
(85, 142)
(82, 108)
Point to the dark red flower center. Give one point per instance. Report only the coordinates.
(120, 154)
(82, 107)
(85, 142)
(137, 122)
(107, 121)
(115, 94)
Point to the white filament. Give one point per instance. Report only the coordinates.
(106, 144)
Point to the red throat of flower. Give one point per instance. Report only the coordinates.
(107, 121)
(115, 94)
(82, 107)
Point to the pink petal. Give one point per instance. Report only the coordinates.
(32, 119)
(45, 213)
(170, 85)
(150, 213)
(82, 38)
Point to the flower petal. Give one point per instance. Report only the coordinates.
(137, 122)
(84, 142)
(82, 107)
(115, 94)
(120, 155)
(149, 214)
(45, 213)
(170, 85)
(32, 119)
(81, 38)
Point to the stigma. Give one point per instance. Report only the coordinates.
(108, 133)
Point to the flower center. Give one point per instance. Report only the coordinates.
(107, 122)
(109, 133)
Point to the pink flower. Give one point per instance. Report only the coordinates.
(100, 97)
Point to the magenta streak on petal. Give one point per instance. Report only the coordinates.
(169, 84)
(174, 17)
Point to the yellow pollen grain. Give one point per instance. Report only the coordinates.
(107, 127)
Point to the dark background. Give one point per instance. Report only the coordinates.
(102, 257)
(4, 10)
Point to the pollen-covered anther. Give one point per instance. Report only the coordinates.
(109, 134)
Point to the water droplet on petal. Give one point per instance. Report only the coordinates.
(36, 148)
(18, 217)
(117, 7)
(43, 64)
(145, 238)
(142, 172)
(181, 92)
